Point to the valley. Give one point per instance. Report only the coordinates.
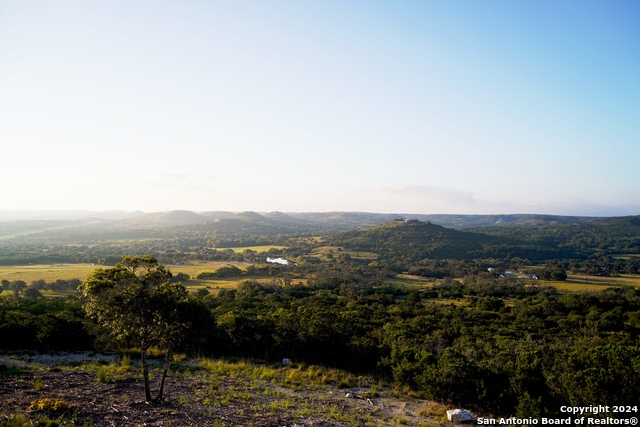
(499, 315)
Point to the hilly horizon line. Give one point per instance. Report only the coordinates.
(341, 219)
(116, 212)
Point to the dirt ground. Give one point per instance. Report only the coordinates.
(192, 399)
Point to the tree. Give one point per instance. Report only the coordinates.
(181, 277)
(553, 273)
(32, 293)
(18, 286)
(136, 301)
(604, 374)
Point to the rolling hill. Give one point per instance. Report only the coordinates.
(413, 240)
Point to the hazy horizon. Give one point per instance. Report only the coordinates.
(423, 107)
(71, 214)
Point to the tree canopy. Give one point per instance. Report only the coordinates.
(137, 303)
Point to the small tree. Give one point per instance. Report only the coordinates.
(18, 286)
(137, 302)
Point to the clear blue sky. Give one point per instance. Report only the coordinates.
(459, 106)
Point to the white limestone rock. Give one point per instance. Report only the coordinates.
(459, 416)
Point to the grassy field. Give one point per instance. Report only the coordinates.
(574, 283)
(195, 268)
(323, 253)
(258, 249)
(49, 273)
(224, 283)
(214, 285)
(581, 283)
(409, 281)
(626, 256)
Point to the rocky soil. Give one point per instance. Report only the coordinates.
(194, 397)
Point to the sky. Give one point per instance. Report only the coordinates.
(460, 107)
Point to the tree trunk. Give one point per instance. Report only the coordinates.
(145, 373)
(167, 361)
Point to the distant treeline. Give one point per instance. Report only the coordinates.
(168, 252)
(20, 286)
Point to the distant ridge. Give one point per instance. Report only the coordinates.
(412, 240)
(338, 219)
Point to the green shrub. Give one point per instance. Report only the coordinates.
(15, 420)
(49, 404)
(104, 375)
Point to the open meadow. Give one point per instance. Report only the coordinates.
(326, 253)
(257, 249)
(53, 272)
(583, 283)
(49, 273)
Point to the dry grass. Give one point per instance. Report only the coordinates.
(323, 252)
(210, 392)
(49, 273)
(214, 285)
(192, 269)
(582, 283)
(434, 410)
(411, 282)
(450, 301)
(258, 249)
